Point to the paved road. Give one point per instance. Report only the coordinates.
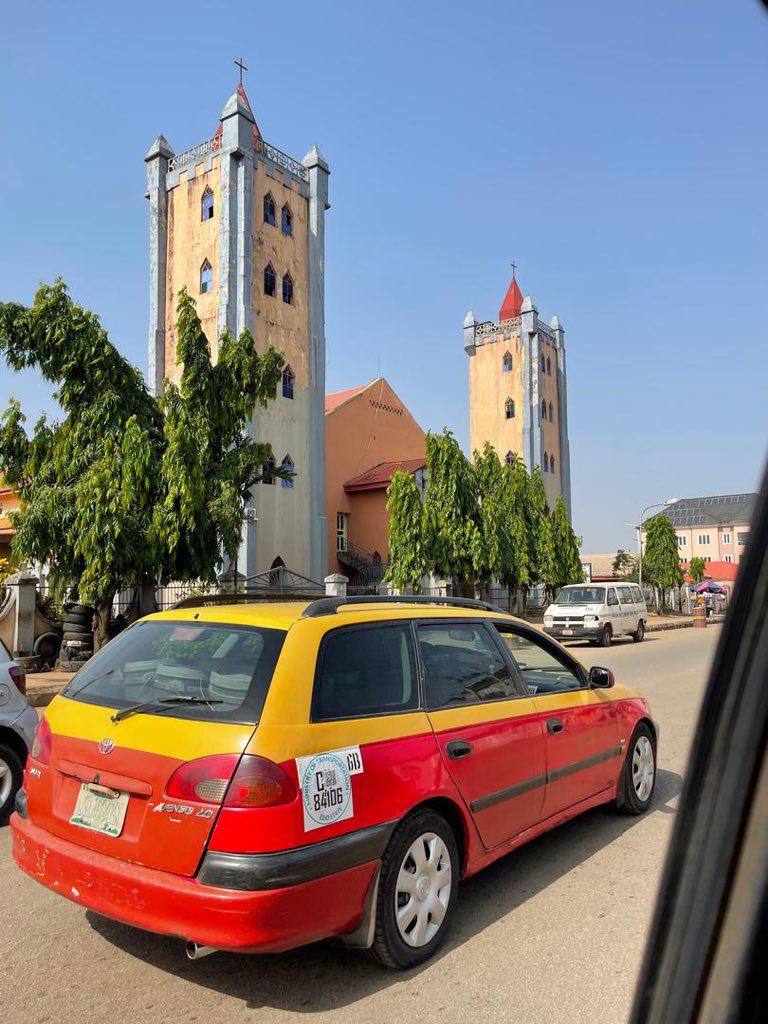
(554, 932)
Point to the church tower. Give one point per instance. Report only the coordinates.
(517, 389)
(242, 225)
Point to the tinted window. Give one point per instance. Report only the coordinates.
(154, 661)
(625, 595)
(365, 671)
(581, 595)
(463, 665)
(638, 594)
(540, 670)
(612, 599)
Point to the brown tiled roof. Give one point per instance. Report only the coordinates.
(337, 398)
(378, 477)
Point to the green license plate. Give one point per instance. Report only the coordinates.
(99, 811)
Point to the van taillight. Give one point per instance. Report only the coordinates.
(19, 676)
(43, 742)
(256, 782)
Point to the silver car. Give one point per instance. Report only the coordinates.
(18, 722)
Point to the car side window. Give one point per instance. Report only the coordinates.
(363, 671)
(638, 595)
(625, 595)
(463, 665)
(612, 599)
(540, 670)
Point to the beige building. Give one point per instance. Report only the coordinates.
(518, 390)
(714, 528)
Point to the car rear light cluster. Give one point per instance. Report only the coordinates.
(19, 676)
(43, 742)
(231, 780)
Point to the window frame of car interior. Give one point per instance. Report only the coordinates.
(551, 648)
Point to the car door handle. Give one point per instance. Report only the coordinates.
(555, 725)
(457, 749)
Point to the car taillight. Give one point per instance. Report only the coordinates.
(43, 742)
(257, 782)
(19, 676)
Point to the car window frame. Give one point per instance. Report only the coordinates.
(608, 602)
(557, 652)
(357, 626)
(496, 641)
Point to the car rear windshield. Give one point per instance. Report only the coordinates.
(229, 666)
(581, 595)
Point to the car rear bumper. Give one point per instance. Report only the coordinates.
(574, 632)
(261, 921)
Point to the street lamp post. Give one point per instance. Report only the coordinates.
(639, 528)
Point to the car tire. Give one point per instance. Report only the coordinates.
(47, 645)
(77, 638)
(606, 636)
(84, 610)
(639, 633)
(638, 773)
(11, 778)
(424, 840)
(79, 621)
(77, 627)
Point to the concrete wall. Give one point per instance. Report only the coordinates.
(9, 502)
(489, 388)
(717, 548)
(372, 427)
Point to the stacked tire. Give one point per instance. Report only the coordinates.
(77, 638)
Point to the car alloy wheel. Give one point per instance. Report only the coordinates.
(423, 889)
(6, 781)
(643, 768)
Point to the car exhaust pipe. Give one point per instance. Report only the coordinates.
(195, 952)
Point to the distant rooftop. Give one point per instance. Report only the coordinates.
(718, 509)
(337, 398)
(380, 476)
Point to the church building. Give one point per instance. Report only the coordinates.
(518, 389)
(242, 226)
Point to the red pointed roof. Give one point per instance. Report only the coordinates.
(257, 137)
(513, 300)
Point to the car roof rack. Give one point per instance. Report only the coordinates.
(331, 605)
(208, 600)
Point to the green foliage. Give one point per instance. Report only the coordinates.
(452, 539)
(407, 561)
(697, 569)
(567, 564)
(661, 564)
(129, 487)
(541, 541)
(624, 565)
(502, 551)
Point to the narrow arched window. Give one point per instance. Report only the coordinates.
(287, 465)
(506, 363)
(551, 463)
(543, 410)
(549, 366)
(269, 210)
(286, 220)
(545, 465)
(206, 204)
(267, 473)
(509, 408)
(206, 277)
(270, 280)
(288, 289)
(551, 413)
(543, 363)
(288, 379)
(509, 458)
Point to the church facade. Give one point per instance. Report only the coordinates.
(242, 226)
(518, 398)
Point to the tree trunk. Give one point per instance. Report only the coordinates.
(101, 621)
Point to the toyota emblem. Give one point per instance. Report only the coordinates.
(106, 746)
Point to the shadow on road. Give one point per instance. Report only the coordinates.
(616, 643)
(327, 976)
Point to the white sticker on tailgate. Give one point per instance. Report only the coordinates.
(326, 785)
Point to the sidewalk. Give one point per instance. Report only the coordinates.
(42, 687)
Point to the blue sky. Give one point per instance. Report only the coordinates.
(616, 151)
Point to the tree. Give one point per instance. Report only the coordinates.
(567, 564)
(661, 564)
(407, 562)
(541, 557)
(128, 487)
(624, 565)
(697, 569)
(502, 551)
(451, 537)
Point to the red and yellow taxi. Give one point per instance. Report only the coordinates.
(256, 776)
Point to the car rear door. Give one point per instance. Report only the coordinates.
(487, 729)
(581, 724)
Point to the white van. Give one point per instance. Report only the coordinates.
(597, 612)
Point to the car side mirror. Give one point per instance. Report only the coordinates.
(601, 677)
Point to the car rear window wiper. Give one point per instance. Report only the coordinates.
(160, 705)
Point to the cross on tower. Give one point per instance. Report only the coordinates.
(239, 64)
(514, 268)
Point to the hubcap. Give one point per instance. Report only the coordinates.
(423, 889)
(6, 781)
(643, 768)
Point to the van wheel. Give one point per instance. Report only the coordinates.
(639, 633)
(11, 778)
(606, 636)
(417, 891)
